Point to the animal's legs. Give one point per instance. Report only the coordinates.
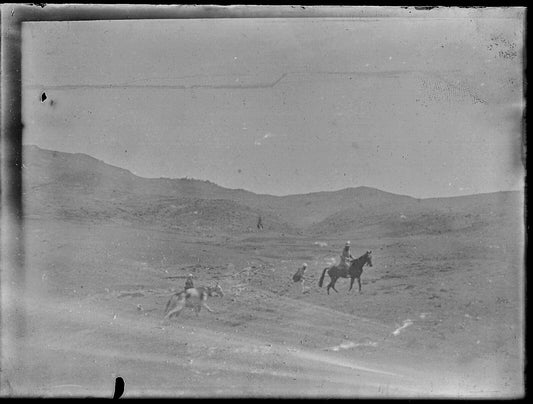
(197, 309)
(330, 285)
(333, 281)
(207, 307)
(359, 281)
(351, 283)
(175, 311)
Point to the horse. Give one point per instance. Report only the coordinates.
(193, 297)
(353, 271)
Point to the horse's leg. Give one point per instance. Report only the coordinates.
(333, 281)
(204, 303)
(359, 282)
(179, 308)
(351, 284)
(175, 312)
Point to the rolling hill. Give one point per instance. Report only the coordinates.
(80, 187)
(439, 313)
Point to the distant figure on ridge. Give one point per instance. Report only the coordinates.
(346, 257)
(299, 275)
(259, 224)
(188, 283)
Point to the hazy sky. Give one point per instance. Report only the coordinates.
(418, 106)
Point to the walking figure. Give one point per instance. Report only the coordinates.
(189, 283)
(259, 224)
(299, 276)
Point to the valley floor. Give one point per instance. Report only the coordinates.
(438, 316)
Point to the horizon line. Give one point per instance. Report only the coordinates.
(266, 194)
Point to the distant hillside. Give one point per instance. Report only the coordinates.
(428, 216)
(79, 187)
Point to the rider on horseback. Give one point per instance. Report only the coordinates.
(346, 257)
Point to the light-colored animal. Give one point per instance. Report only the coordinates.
(193, 297)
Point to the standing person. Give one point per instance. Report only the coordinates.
(346, 257)
(189, 283)
(299, 275)
(260, 223)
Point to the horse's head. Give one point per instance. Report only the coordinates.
(369, 258)
(217, 290)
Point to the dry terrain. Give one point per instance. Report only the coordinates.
(440, 313)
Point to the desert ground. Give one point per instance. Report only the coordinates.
(440, 313)
(96, 308)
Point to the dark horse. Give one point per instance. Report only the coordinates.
(354, 271)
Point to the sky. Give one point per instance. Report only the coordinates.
(426, 107)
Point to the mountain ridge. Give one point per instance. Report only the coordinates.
(78, 185)
(361, 188)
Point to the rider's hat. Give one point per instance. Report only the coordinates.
(347, 243)
(190, 276)
(305, 264)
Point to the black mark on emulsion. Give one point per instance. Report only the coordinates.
(119, 387)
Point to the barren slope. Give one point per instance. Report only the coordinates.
(440, 313)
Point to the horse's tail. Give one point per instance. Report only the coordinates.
(321, 281)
